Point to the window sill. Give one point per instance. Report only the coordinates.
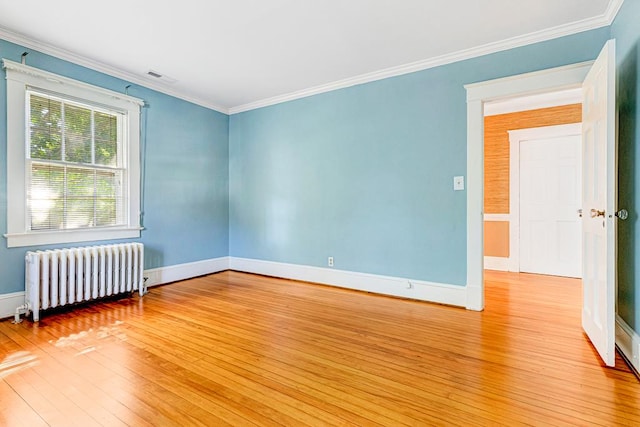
(69, 236)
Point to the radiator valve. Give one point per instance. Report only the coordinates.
(24, 308)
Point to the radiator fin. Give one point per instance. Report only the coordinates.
(67, 276)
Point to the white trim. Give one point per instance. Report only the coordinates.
(628, 342)
(496, 263)
(49, 49)
(395, 286)
(612, 10)
(9, 302)
(533, 102)
(475, 206)
(21, 78)
(514, 203)
(174, 273)
(554, 79)
(515, 138)
(497, 217)
(70, 236)
(38, 77)
(569, 129)
(535, 82)
(551, 33)
(155, 276)
(519, 41)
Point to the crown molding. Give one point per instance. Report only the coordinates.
(563, 30)
(539, 36)
(49, 49)
(612, 10)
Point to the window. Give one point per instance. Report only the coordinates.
(72, 160)
(74, 165)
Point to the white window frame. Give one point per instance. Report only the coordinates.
(20, 78)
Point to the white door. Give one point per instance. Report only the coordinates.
(599, 204)
(550, 196)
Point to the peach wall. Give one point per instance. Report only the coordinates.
(496, 238)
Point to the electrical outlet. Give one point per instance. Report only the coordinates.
(330, 261)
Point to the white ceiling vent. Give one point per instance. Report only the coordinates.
(159, 76)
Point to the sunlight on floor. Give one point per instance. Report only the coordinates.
(85, 341)
(17, 362)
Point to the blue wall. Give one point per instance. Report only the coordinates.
(626, 30)
(365, 174)
(187, 187)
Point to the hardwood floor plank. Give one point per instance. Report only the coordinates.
(21, 413)
(152, 403)
(239, 349)
(227, 357)
(245, 343)
(245, 394)
(332, 376)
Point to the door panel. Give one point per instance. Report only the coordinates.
(599, 204)
(550, 196)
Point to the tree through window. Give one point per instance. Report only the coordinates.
(73, 160)
(75, 163)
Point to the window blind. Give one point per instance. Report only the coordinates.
(76, 170)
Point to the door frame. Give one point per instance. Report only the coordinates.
(515, 138)
(554, 79)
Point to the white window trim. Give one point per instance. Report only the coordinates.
(19, 78)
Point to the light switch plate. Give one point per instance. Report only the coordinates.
(458, 183)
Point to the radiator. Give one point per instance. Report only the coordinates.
(60, 277)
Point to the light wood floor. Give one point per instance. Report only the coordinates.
(237, 349)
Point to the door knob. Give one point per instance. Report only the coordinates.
(622, 214)
(596, 213)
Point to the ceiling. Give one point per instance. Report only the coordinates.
(236, 55)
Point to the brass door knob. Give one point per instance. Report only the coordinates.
(596, 213)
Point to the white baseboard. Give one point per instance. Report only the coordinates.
(496, 263)
(173, 273)
(628, 341)
(395, 286)
(156, 276)
(9, 302)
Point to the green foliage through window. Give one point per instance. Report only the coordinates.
(76, 171)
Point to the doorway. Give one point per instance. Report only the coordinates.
(599, 231)
(478, 94)
(538, 127)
